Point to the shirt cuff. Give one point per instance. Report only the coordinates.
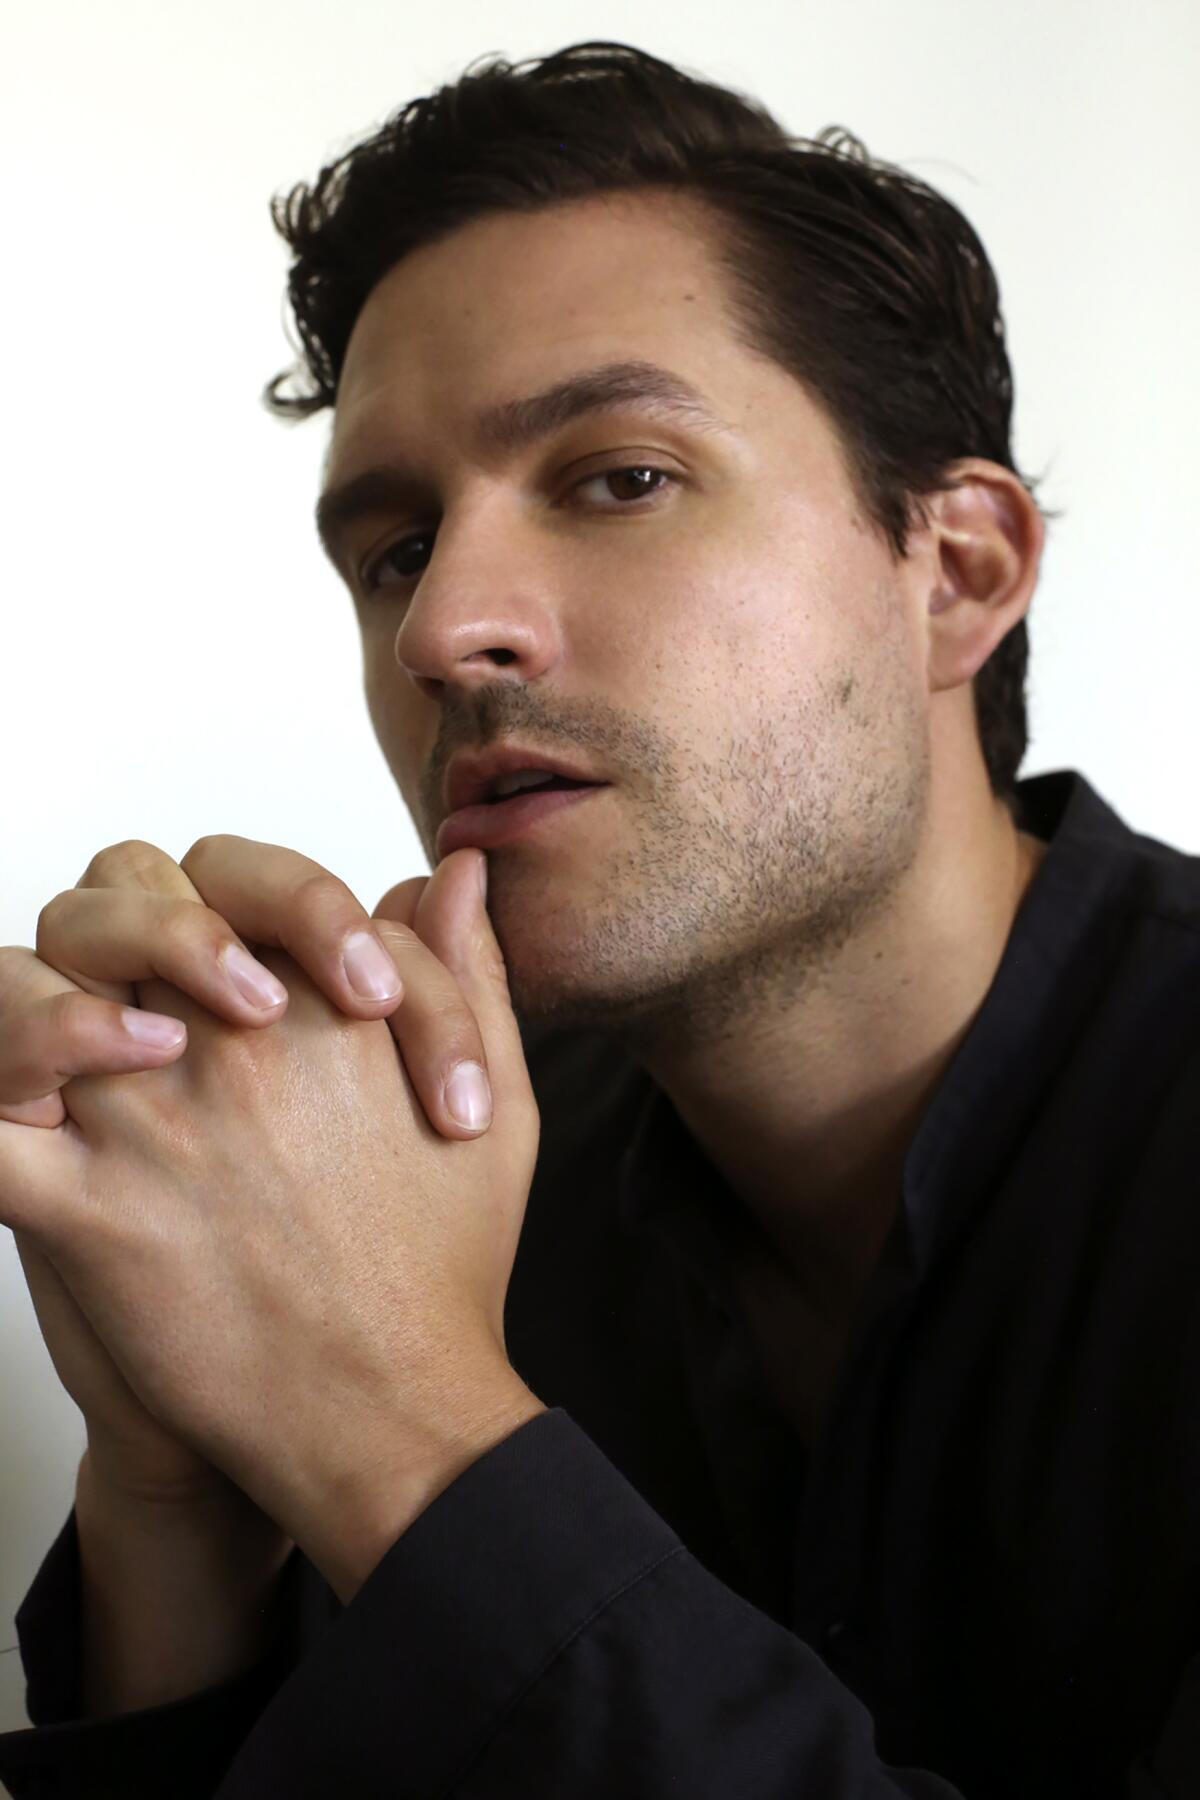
(460, 1617)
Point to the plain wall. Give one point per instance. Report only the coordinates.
(177, 658)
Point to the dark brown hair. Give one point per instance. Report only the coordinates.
(868, 286)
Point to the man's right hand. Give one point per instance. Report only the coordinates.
(64, 1009)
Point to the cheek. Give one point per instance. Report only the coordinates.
(380, 703)
(393, 711)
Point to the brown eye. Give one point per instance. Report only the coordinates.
(639, 491)
(398, 558)
(401, 550)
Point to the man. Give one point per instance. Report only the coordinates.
(834, 1433)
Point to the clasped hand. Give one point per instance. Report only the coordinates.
(295, 1258)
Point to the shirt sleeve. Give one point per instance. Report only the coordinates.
(181, 1749)
(538, 1631)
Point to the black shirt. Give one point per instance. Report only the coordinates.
(983, 1581)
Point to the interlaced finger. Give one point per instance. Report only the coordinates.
(135, 864)
(275, 896)
(50, 1031)
(106, 939)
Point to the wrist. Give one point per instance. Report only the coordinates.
(225, 1528)
(360, 1514)
(176, 1597)
(114, 1471)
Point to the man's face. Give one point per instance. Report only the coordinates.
(732, 649)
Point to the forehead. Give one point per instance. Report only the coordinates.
(510, 301)
(510, 306)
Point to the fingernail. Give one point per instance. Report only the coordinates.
(152, 1028)
(468, 1096)
(252, 981)
(483, 877)
(369, 969)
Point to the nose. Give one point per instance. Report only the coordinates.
(482, 608)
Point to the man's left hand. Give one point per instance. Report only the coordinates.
(294, 1271)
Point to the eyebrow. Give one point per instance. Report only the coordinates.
(513, 425)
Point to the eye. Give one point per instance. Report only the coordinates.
(641, 493)
(407, 547)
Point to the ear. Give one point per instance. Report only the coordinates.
(978, 563)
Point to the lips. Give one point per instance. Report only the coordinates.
(548, 785)
(472, 777)
(489, 823)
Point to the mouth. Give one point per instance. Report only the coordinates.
(490, 823)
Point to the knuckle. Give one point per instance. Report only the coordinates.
(493, 967)
(112, 866)
(206, 924)
(178, 924)
(397, 939)
(456, 1030)
(318, 894)
(49, 918)
(19, 965)
(204, 849)
(68, 1015)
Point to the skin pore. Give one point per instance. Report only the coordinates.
(792, 900)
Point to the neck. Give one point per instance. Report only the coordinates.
(808, 1104)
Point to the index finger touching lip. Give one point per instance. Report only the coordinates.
(275, 896)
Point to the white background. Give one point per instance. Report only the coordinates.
(176, 657)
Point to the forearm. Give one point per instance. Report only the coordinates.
(175, 1598)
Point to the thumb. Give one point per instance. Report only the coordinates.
(451, 917)
(448, 913)
(440, 907)
(453, 920)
